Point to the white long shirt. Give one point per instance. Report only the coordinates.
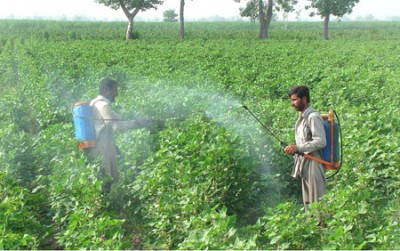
(310, 137)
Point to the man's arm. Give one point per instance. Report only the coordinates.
(118, 123)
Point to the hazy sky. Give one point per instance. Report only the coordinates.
(195, 9)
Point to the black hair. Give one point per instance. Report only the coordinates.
(301, 91)
(107, 84)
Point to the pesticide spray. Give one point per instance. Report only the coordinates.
(171, 103)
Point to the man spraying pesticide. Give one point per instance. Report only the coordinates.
(310, 139)
(96, 124)
(317, 145)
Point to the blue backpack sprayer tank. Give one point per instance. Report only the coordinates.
(83, 123)
(332, 154)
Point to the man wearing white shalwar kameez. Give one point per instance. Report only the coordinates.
(310, 139)
(106, 123)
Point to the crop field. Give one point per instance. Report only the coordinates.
(205, 174)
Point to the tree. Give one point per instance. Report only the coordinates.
(182, 20)
(250, 11)
(326, 8)
(170, 16)
(131, 8)
(263, 10)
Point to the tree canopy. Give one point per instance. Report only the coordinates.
(170, 16)
(131, 4)
(336, 8)
(252, 11)
(326, 8)
(264, 10)
(131, 8)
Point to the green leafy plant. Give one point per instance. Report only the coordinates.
(204, 175)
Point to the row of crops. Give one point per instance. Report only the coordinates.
(204, 175)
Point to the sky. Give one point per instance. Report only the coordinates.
(194, 10)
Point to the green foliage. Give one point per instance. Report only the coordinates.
(19, 227)
(77, 200)
(251, 9)
(332, 7)
(204, 175)
(198, 167)
(131, 5)
(170, 16)
(289, 227)
(286, 5)
(212, 230)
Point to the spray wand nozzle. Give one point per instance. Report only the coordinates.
(283, 144)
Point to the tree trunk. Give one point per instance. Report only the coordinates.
(265, 18)
(261, 16)
(129, 30)
(286, 19)
(130, 16)
(269, 15)
(326, 27)
(182, 20)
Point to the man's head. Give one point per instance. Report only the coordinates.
(299, 97)
(109, 89)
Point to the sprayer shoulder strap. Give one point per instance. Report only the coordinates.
(308, 117)
(307, 123)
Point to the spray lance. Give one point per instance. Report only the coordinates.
(330, 153)
(283, 144)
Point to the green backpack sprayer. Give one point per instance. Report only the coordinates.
(332, 154)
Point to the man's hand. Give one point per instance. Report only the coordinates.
(291, 149)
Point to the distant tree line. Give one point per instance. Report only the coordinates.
(263, 10)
